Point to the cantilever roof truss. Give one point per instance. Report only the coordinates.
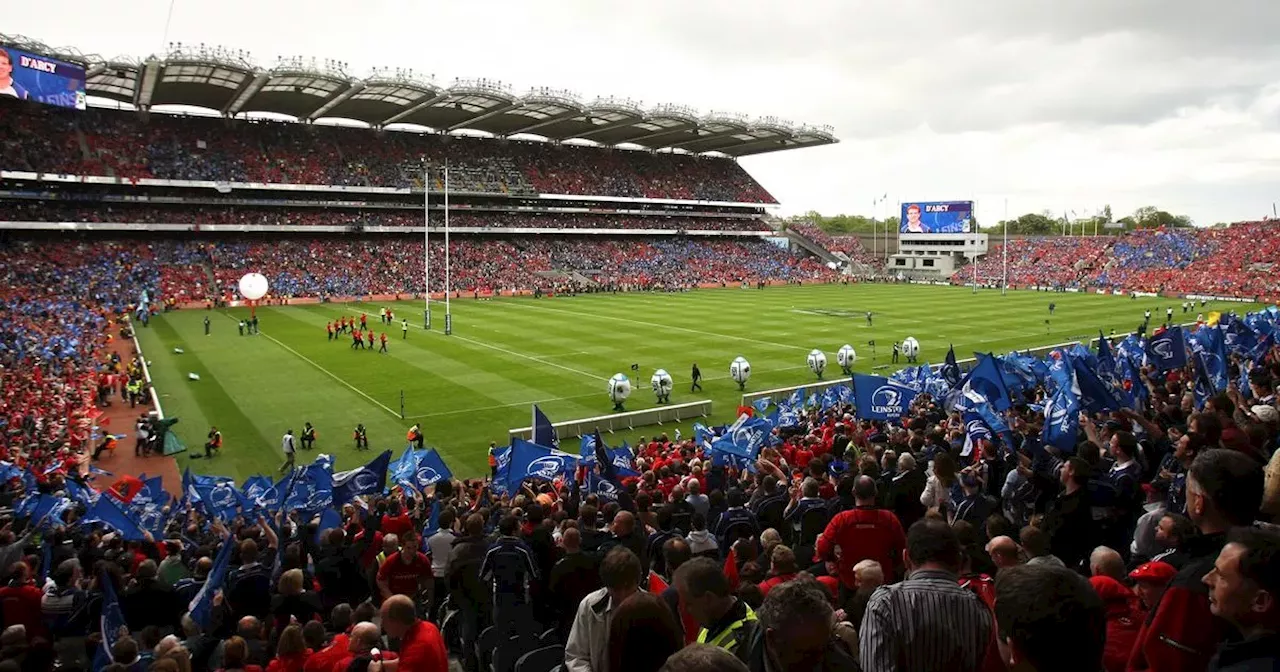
(234, 86)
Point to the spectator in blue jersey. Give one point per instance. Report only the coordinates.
(510, 568)
(736, 522)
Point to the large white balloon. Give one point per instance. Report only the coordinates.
(910, 346)
(253, 286)
(619, 388)
(740, 370)
(817, 361)
(661, 381)
(846, 356)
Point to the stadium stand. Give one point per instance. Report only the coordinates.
(118, 144)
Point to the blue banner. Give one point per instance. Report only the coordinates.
(744, 438)
(529, 460)
(366, 480)
(431, 469)
(201, 606)
(1168, 349)
(878, 398)
(936, 217)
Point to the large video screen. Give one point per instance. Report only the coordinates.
(937, 217)
(40, 78)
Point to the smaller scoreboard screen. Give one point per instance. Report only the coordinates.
(936, 217)
(41, 79)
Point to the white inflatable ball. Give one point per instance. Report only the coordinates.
(910, 346)
(253, 286)
(740, 370)
(846, 356)
(619, 388)
(817, 361)
(661, 382)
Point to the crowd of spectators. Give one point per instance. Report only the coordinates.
(120, 144)
(346, 265)
(1236, 260)
(1051, 261)
(849, 544)
(248, 215)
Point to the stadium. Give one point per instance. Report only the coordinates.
(606, 352)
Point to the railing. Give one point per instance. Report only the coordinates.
(628, 420)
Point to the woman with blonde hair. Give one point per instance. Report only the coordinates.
(294, 601)
(292, 652)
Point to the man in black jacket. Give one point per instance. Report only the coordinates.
(1069, 521)
(574, 576)
(468, 593)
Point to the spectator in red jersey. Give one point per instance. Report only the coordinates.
(421, 646)
(365, 637)
(291, 653)
(865, 532)
(1124, 619)
(405, 572)
(20, 601)
(782, 569)
(1149, 581)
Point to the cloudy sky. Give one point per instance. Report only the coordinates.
(1040, 104)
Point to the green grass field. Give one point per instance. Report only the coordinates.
(469, 388)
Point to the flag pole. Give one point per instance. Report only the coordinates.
(448, 317)
(1005, 248)
(426, 247)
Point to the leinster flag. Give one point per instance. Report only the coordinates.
(431, 469)
(529, 460)
(987, 379)
(366, 480)
(201, 606)
(1062, 419)
(1167, 350)
(544, 433)
(878, 398)
(744, 438)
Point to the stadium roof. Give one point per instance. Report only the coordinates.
(228, 81)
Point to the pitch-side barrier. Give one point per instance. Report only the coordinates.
(627, 420)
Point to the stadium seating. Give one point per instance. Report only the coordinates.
(1050, 261)
(50, 211)
(117, 144)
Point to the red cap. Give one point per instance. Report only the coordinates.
(1155, 572)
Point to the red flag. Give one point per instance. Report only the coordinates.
(126, 488)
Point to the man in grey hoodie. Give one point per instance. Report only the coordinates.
(587, 649)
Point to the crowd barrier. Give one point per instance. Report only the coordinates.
(627, 420)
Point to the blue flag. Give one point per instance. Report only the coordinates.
(366, 480)
(111, 624)
(312, 489)
(433, 522)
(1106, 361)
(431, 469)
(106, 512)
(601, 487)
(878, 398)
(1095, 395)
(950, 369)
(403, 469)
(221, 500)
(744, 438)
(201, 606)
(529, 460)
(975, 430)
(503, 456)
(544, 433)
(1062, 419)
(149, 518)
(762, 404)
(152, 492)
(1209, 343)
(1167, 350)
(987, 379)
